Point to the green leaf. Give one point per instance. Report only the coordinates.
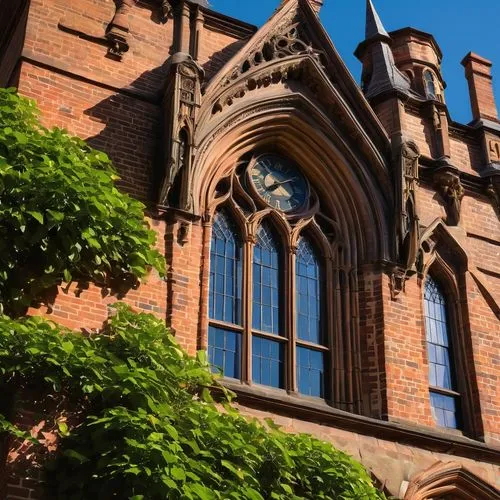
(36, 215)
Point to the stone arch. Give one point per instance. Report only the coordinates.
(449, 481)
(444, 257)
(347, 187)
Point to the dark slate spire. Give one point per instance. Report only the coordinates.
(380, 73)
(374, 26)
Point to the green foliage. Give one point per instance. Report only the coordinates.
(148, 427)
(61, 216)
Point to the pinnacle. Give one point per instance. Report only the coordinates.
(374, 26)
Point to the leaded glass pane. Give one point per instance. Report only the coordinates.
(308, 293)
(436, 324)
(224, 351)
(266, 282)
(438, 348)
(268, 362)
(444, 410)
(225, 271)
(310, 372)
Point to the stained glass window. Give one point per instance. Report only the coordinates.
(224, 345)
(441, 377)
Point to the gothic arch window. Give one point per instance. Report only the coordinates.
(225, 308)
(429, 85)
(267, 316)
(268, 348)
(444, 397)
(309, 320)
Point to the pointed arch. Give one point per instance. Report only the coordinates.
(444, 260)
(449, 479)
(225, 309)
(344, 180)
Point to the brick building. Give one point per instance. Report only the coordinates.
(335, 247)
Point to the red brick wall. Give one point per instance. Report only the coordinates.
(115, 105)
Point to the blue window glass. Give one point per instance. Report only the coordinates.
(266, 282)
(308, 293)
(225, 271)
(444, 410)
(268, 362)
(310, 372)
(430, 86)
(444, 407)
(224, 351)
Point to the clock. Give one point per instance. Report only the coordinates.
(279, 182)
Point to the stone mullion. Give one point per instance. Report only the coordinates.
(290, 323)
(246, 358)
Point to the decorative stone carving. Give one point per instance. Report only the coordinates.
(166, 10)
(181, 103)
(288, 40)
(447, 182)
(406, 159)
(118, 29)
(494, 150)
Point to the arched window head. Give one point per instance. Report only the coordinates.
(267, 354)
(225, 332)
(267, 321)
(444, 398)
(429, 85)
(310, 355)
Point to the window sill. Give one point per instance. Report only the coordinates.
(319, 411)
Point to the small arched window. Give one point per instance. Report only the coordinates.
(225, 329)
(429, 85)
(444, 398)
(310, 341)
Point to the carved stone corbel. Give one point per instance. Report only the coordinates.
(119, 28)
(398, 277)
(181, 103)
(166, 10)
(448, 184)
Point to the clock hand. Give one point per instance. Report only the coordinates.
(276, 184)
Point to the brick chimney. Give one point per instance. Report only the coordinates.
(478, 74)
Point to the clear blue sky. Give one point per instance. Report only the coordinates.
(459, 26)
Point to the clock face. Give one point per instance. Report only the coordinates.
(279, 182)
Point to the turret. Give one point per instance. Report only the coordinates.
(419, 57)
(380, 74)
